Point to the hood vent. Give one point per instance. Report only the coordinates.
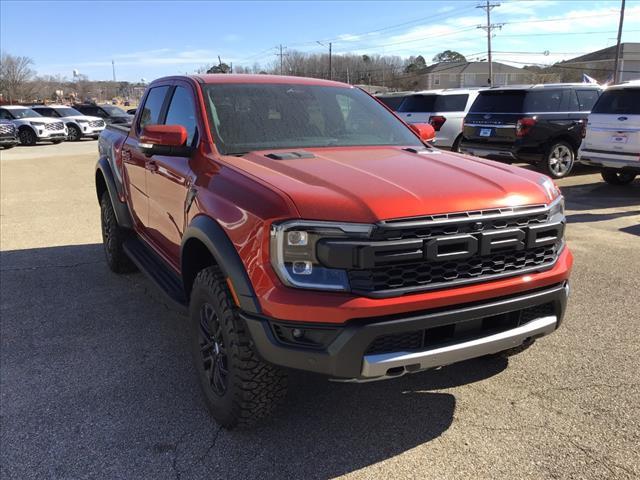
(290, 155)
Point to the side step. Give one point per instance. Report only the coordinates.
(157, 270)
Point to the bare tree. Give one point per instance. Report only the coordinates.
(15, 77)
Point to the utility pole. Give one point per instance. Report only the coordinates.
(330, 67)
(113, 68)
(489, 29)
(281, 55)
(616, 73)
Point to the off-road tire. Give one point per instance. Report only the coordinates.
(253, 388)
(27, 137)
(113, 237)
(74, 134)
(559, 160)
(617, 177)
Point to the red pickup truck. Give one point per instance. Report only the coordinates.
(303, 225)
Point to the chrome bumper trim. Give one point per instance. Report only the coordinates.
(376, 366)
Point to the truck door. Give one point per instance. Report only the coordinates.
(135, 163)
(170, 179)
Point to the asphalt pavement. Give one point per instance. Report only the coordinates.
(96, 380)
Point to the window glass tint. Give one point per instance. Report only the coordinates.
(5, 115)
(616, 102)
(418, 103)
(46, 112)
(182, 111)
(500, 101)
(587, 99)
(152, 107)
(569, 101)
(451, 103)
(247, 117)
(392, 102)
(543, 101)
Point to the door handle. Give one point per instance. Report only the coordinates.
(151, 165)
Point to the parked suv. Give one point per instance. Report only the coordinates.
(612, 139)
(302, 225)
(8, 134)
(33, 127)
(444, 109)
(538, 124)
(78, 125)
(109, 113)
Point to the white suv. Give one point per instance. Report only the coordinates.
(612, 137)
(33, 127)
(79, 125)
(443, 109)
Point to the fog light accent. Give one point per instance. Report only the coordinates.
(302, 268)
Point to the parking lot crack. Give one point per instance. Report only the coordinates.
(44, 267)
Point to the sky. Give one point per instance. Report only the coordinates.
(149, 39)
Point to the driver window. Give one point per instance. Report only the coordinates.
(182, 111)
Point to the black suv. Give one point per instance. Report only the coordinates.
(538, 124)
(108, 113)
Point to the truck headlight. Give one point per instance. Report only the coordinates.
(37, 124)
(557, 207)
(294, 258)
(550, 188)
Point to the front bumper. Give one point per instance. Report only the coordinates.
(89, 131)
(43, 134)
(8, 140)
(346, 352)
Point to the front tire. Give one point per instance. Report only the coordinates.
(239, 388)
(617, 177)
(74, 133)
(560, 160)
(27, 137)
(113, 237)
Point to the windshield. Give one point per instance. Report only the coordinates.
(247, 117)
(23, 113)
(114, 111)
(616, 102)
(434, 103)
(67, 112)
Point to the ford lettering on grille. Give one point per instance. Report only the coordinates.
(436, 253)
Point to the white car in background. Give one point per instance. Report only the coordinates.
(33, 127)
(612, 136)
(78, 125)
(444, 109)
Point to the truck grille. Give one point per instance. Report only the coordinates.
(412, 255)
(434, 337)
(96, 123)
(7, 129)
(448, 273)
(54, 126)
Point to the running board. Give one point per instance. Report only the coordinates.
(157, 270)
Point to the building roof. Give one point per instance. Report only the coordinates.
(470, 67)
(608, 53)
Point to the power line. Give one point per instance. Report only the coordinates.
(489, 28)
(281, 55)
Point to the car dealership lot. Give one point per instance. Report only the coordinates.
(96, 379)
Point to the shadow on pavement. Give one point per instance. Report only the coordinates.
(97, 383)
(601, 195)
(598, 217)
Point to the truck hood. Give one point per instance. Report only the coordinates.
(367, 184)
(46, 120)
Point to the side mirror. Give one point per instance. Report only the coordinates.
(425, 131)
(166, 140)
